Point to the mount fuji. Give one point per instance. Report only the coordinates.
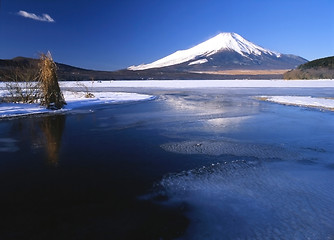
(226, 51)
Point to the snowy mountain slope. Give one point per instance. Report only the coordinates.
(222, 52)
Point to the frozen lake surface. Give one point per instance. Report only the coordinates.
(192, 164)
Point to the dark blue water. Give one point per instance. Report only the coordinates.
(204, 164)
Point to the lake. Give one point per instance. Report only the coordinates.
(191, 164)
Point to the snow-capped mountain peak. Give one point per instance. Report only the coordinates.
(221, 42)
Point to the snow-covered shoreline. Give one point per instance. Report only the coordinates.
(303, 101)
(75, 100)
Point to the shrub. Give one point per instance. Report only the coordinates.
(52, 96)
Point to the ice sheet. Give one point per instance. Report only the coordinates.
(248, 200)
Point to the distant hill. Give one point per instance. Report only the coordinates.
(65, 72)
(322, 68)
(70, 73)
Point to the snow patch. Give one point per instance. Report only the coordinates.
(201, 61)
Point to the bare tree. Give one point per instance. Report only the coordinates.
(22, 85)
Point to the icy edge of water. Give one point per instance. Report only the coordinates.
(303, 101)
(75, 100)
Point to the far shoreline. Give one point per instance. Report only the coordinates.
(182, 84)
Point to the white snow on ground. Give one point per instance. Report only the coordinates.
(306, 101)
(74, 100)
(184, 84)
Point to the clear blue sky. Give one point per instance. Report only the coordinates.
(110, 35)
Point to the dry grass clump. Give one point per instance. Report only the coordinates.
(87, 93)
(262, 98)
(52, 96)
